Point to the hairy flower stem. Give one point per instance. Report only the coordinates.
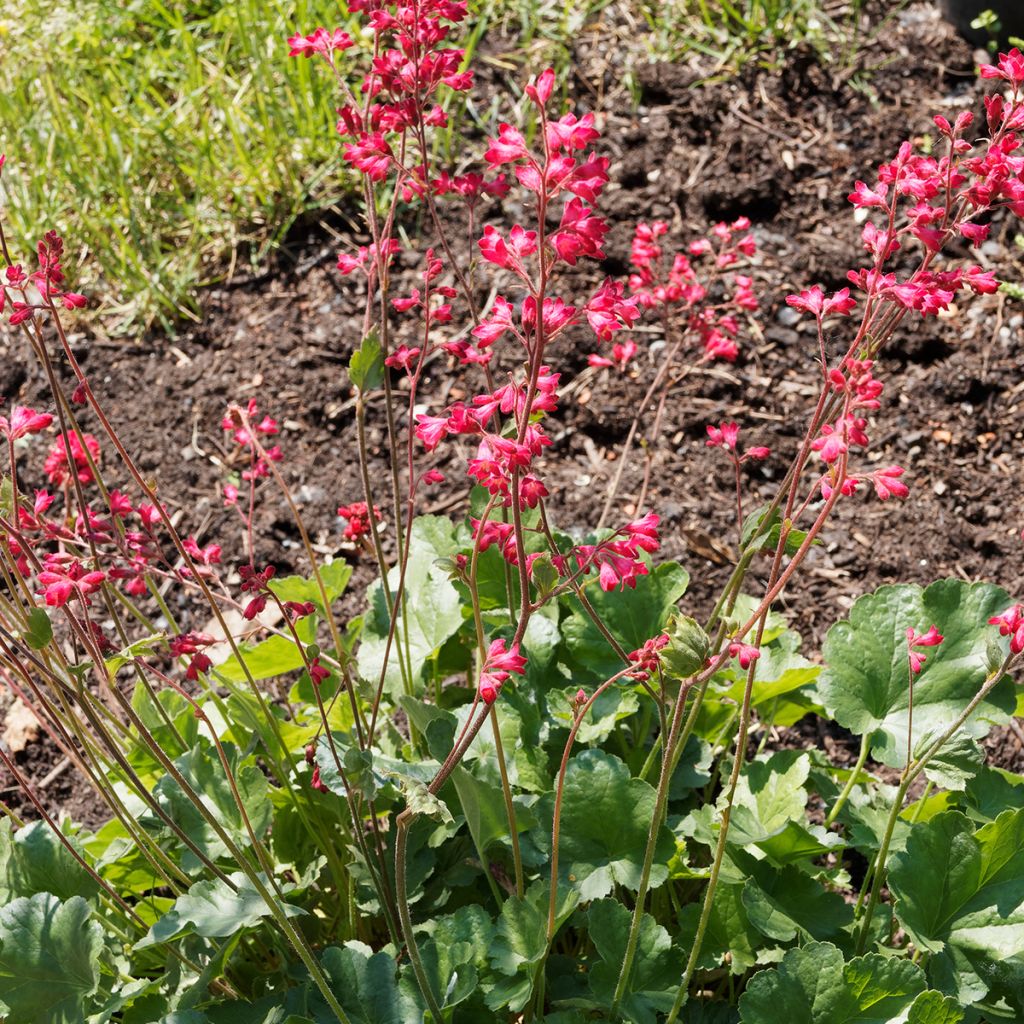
(403, 823)
(910, 773)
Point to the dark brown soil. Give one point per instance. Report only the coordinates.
(781, 148)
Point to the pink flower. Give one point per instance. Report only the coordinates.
(370, 154)
(644, 532)
(540, 90)
(646, 659)
(887, 483)
(814, 302)
(531, 490)
(1011, 624)
(24, 421)
(863, 196)
(930, 639)
(724, 436)
(580, 233)
(321, 41)
(431, 430)
(500, 663)
(58, 465)
(1010, 68)
(508, 147)
(402, 358)
(357, 519)
(317, 673)
(63, 576)
(746, 653)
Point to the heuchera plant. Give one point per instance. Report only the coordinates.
(520, 785)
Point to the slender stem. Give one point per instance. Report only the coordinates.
(510, 810)
(404, 823)
(652, 841)
(865, 746)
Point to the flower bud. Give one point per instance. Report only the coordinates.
(687, 649)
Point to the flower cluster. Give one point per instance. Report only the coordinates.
(690, 284)
(500, 663)
(34, 293)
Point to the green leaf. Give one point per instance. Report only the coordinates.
(366, 367)
(632, 616)
(456, 953)
(933, 1007)
(213, 909)
(960, 895)
(770, 801)
(432, 608)
(993, 791)
(865, 684)
(147, 645)
(367, 986)
(275, 656)
(606, 816)
(335, 576)
(786, 902)
(484, 808)
(729, 931)
(761, 532)
(34, 860)
(520, 944)
(49, 959)
(40, 630)
(955, 764)
(813, 985)
(202, 770)
(655, 975)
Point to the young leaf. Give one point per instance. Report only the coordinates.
(40, 629)
(335, 575)
(49, 958)
(865, 684)
(813, 985)
(366, 367)
(606, 815)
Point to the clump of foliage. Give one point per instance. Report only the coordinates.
(521, 783)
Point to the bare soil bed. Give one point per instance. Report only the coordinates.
(783, 149)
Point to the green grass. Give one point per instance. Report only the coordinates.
(732, 33)
(166, 141)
